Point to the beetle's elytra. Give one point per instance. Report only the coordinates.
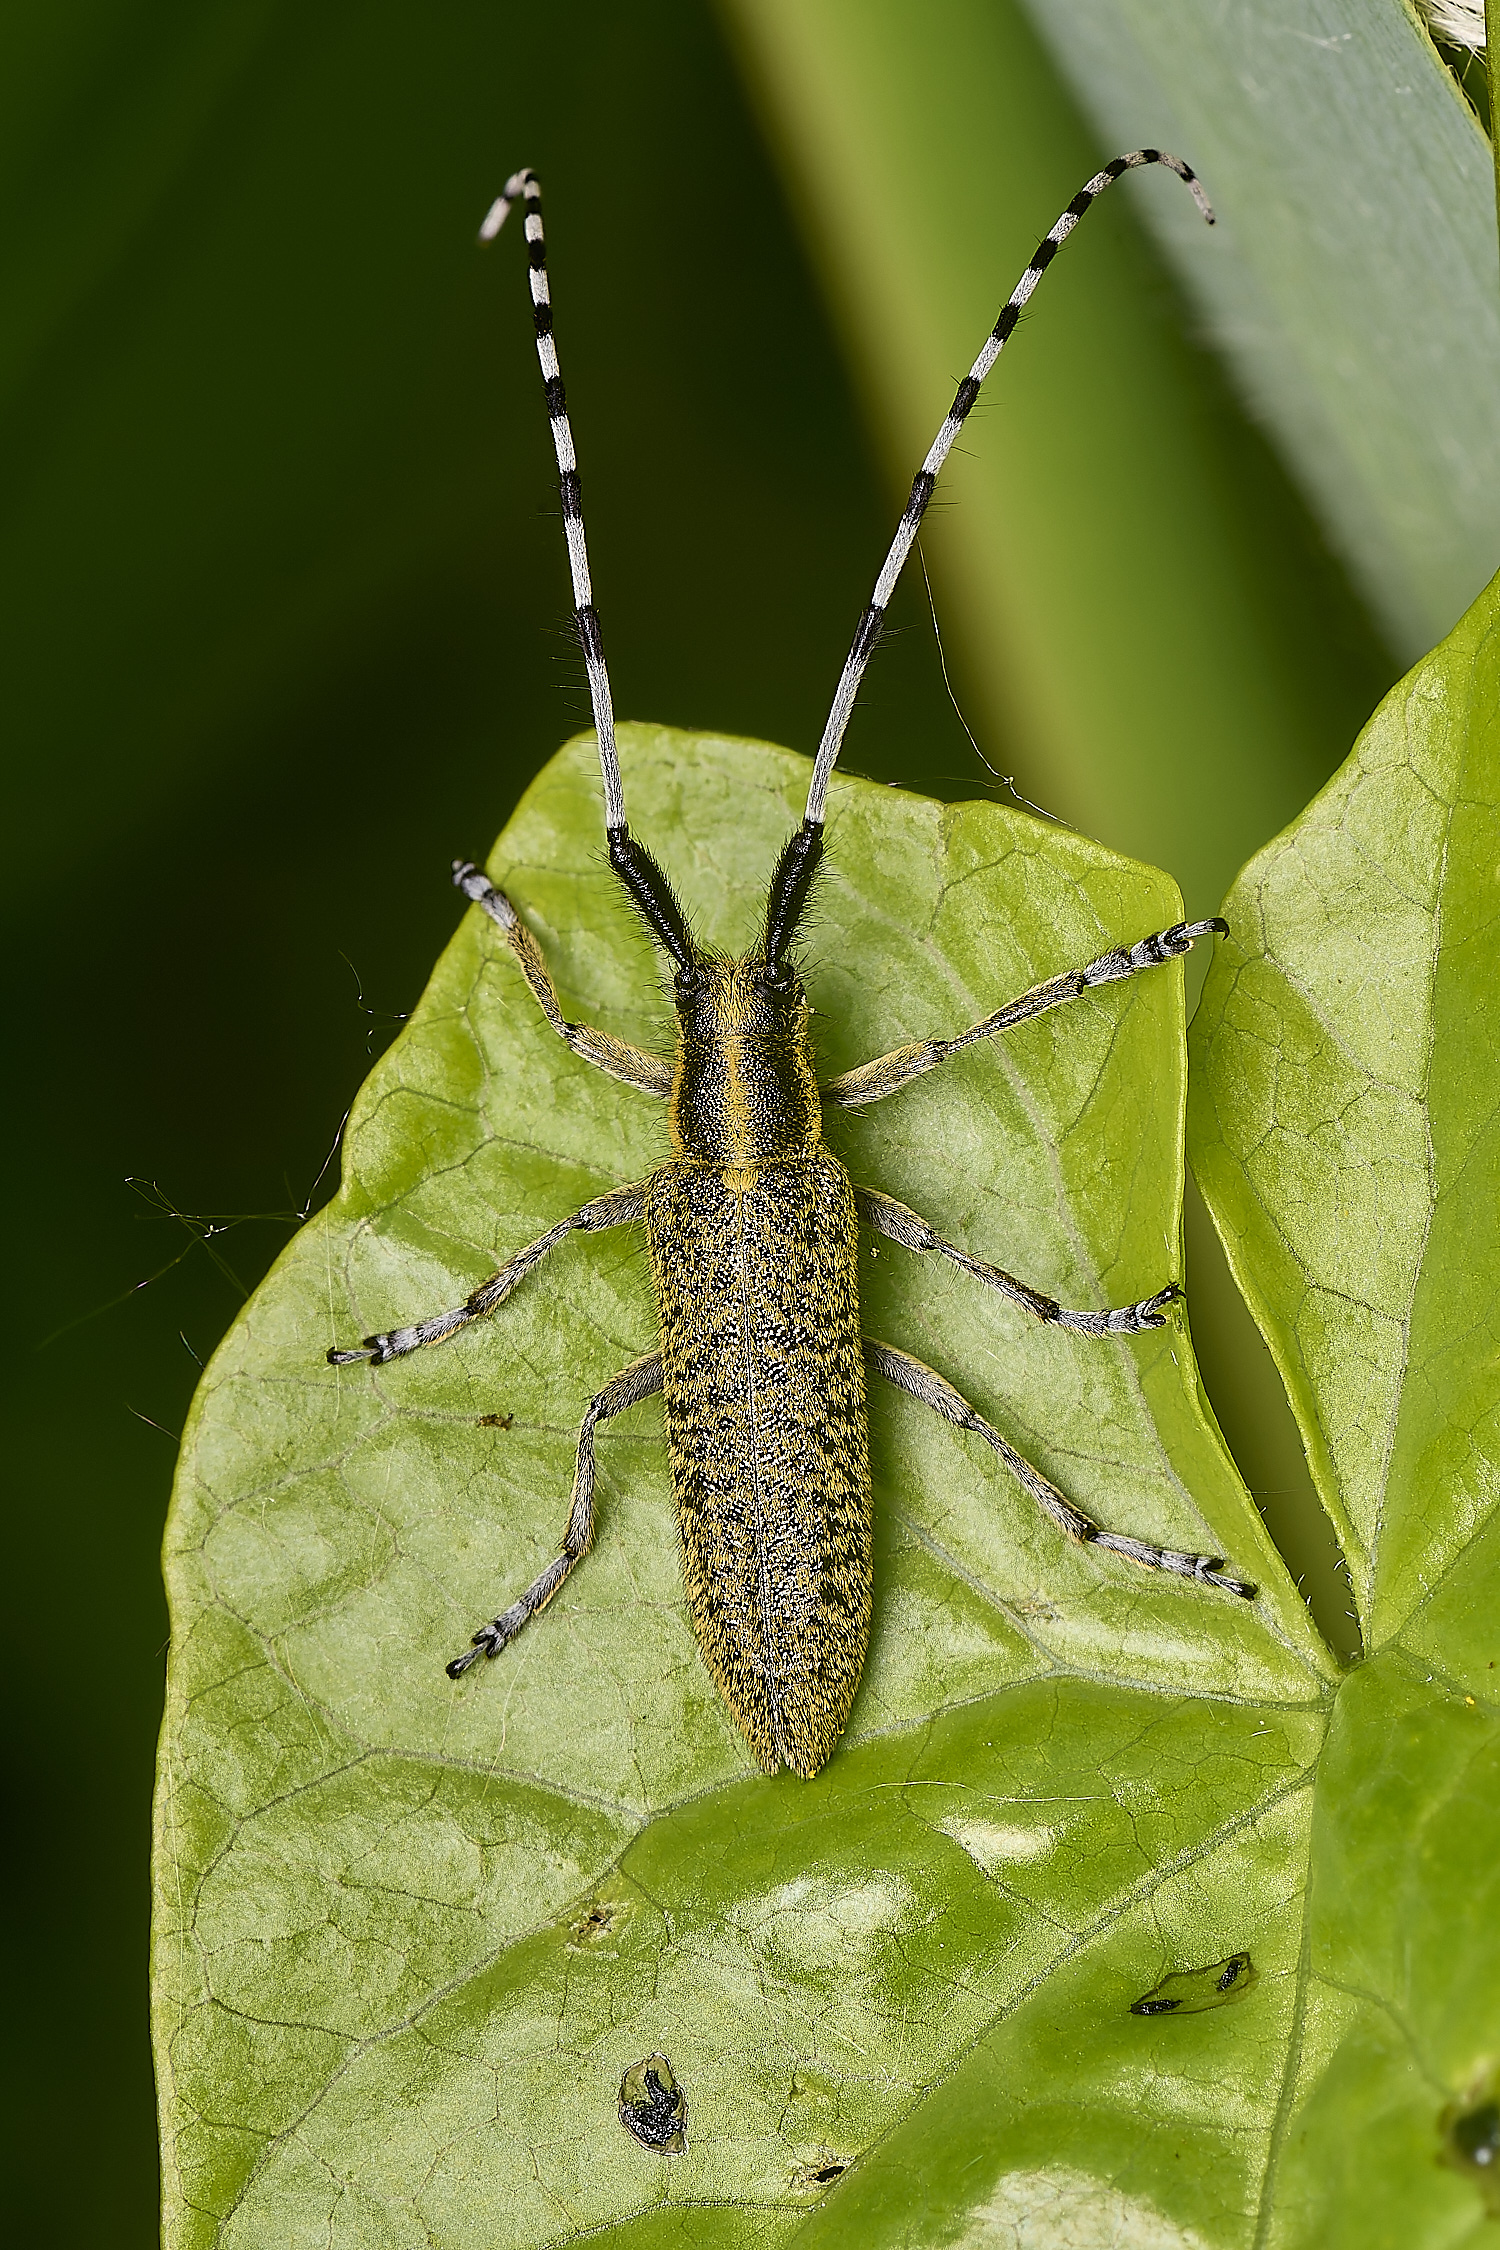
(754, 1246)
(752, 1224)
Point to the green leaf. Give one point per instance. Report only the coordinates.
(373, 1881)
(412, 1935)
(1344, 1134)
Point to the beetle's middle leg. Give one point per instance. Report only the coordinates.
(637, 1381)
(872, 1081)
(611, 1210)
(912, 1231)
(921, 1382)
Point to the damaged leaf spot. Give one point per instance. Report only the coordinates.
(594, 1923)
(1192, 1992)
(821, 2172)
(653, 2107)
(496, 1421)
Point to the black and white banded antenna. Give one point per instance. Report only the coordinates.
(799, 861)
(650, 892)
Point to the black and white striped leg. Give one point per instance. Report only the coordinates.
(912, 1231)
(611, 1210)
(873, 619)
(649, 890)
(921, 1382)
(638, 1381)
(872, 1081)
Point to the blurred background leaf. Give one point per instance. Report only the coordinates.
(285, 617)
(1352, 283)
(1150, 634)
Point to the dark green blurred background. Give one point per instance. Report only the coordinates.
(286, 606)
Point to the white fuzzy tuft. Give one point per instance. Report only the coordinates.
(1460, 23)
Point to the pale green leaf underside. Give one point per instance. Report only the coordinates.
(410, 1934)
(1350, 283)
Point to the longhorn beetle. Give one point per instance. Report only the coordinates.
(752, 1226)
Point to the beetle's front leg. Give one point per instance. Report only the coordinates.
(872, 1081)
(393, 1343)
(652, 1073)
(912, 1231)
(637, 1381)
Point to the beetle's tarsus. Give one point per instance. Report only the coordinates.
(1152, 1311)
(1211, 1572)
(1122, 1320)
(1203, 1570)
(1217, 1576)
(481, 892)
(488, 1641)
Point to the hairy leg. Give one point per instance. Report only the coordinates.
(921, 1382)
(637, 1381)
(611, 1210)
(651, 1073)
(872, 1081)
(912, 1231)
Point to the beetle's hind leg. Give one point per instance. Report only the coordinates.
(911, 1230)
(911, 1375)
(637, 1381)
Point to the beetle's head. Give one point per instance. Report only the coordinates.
(751, 998)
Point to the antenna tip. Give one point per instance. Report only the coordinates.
(519, 183)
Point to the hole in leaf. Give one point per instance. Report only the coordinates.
(653, 2107)
(821, 2171)
(1192, 1992)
